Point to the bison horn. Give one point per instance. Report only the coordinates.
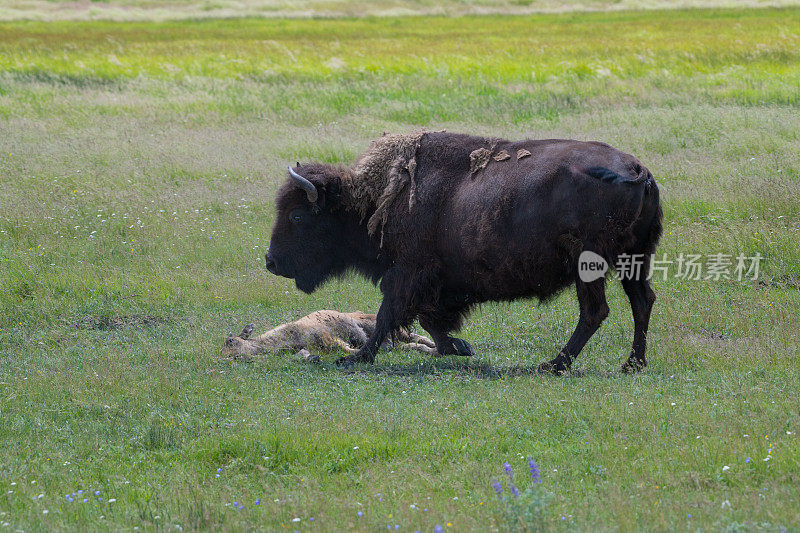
(306, 185)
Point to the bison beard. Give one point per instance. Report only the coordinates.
(446, 221)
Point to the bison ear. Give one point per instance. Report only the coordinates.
(333, 193)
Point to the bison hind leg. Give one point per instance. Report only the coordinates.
(593, 310)
(439, 325)
(641, 297)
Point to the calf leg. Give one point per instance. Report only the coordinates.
(642, 298)
(593, 310)
(419, 339)
(339, 343)
(419, 347)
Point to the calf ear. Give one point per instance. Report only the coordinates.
(229, 340)
(247, 331)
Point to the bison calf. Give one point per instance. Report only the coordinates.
(321, 330)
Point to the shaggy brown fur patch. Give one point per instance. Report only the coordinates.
(380, 174)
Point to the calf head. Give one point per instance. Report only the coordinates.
(241, 346)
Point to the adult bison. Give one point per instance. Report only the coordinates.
(446, 221)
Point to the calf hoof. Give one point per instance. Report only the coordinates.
(633, 365)
(557, 367)
(457, 347)
(307, 356)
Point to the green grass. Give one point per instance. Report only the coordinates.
(138, 166)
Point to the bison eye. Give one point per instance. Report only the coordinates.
(295, 217)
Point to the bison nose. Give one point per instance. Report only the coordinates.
(271, 263)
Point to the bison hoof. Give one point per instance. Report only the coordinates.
(557, 367)
(457, 347)
(633, 365)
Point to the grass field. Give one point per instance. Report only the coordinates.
(138, 166)
(160, 10)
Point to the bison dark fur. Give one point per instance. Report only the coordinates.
(444, 226)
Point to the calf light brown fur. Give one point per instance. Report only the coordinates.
(322, 330)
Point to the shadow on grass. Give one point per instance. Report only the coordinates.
(449, 367)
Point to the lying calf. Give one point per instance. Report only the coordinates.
(322, 330)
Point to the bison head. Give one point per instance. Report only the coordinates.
(315, 237)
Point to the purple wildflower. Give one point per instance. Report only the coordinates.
(97, 493)
(747, 460)
(535, 475)
(514, 490)
(498, 487)
(438, 529)
(509, 471)
(311, 519)
(360, 514)
(258, 502)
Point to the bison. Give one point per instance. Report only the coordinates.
(324, 330)
(446, 221)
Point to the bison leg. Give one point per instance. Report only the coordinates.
(439, 326)
(642, 298)
(391, 315)
(384, 325)
(594, 309)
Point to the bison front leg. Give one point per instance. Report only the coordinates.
(384, 324)
(391, 315)
(594, 309)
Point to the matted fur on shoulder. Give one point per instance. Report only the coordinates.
(380, 174)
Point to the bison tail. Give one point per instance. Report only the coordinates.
(648, 226)
(607, 175)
